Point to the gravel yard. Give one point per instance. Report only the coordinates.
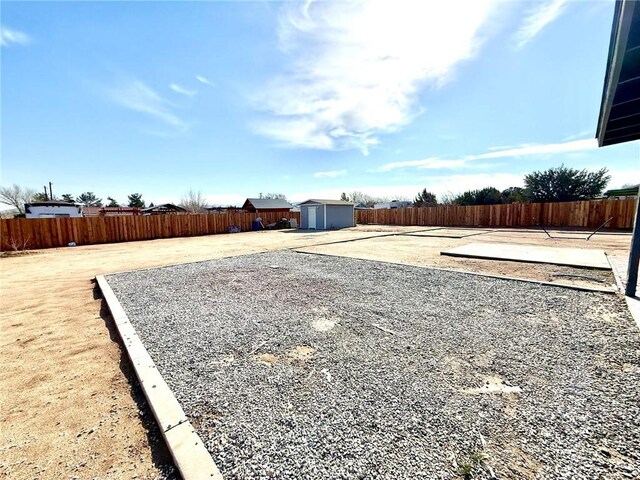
(292, 365)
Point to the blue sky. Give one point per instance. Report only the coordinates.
(308, 99)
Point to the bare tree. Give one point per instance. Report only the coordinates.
(276, 196)
(365, 199)
(16, 196)
(447, 198)
(194, 201)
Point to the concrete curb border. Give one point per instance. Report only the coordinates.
(477, 274)
(187, 449)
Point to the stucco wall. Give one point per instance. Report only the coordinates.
(340, 216)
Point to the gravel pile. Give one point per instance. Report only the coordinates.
(302, 366)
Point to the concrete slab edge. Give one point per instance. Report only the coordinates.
(478, 274)
(189, 454)
(617, 274)
(634, 308)
(486, 257)
(633, 303)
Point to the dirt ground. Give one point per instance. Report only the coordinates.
(69, 404)
(420, 247)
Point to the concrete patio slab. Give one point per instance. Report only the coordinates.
(450, 232)
(574, 257)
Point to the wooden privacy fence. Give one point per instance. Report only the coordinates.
(589, 214)
(28, 233)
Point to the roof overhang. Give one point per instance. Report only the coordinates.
(619, 119)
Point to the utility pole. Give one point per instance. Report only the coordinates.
(50, 192)
(46, 195)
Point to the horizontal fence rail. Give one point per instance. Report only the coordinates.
(588, 214)
(29, 233)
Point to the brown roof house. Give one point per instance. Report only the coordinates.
(254, 205)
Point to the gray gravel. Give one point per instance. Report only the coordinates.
(302, 366)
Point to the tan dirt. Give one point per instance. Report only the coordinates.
(425, 251)
(69, 403)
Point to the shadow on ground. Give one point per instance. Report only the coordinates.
(160, 454)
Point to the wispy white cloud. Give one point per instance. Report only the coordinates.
(583, 133)
(204, 80)
(493, 153)
(354, 69)
(457, 183)
(540, 149)
(499, 147)
(620, 177)
(425, 163)
(439, 185)
(9, 36)
(137, 96)
(541, 15)
(182, 90)
(330, 174)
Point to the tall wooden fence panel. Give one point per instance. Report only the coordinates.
(587, 214)
(29, 233)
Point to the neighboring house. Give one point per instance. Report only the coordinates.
(254, 205)
(222, 209)
(361, 206)
(52, 209)
(318, 214)
(628, 192)
(165, 208)
(109, 211)
(392, 204)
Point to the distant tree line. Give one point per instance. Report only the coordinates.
(366, 200)
(17, 196)
(559, 184)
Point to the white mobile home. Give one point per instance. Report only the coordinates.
(392, 204)
(52, 209)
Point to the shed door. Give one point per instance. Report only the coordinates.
(312, 217)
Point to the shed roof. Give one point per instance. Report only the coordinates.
(619, 119)
(267, 203)
(328, 202)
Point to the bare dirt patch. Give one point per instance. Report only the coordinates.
(425, 251)
(68, 404)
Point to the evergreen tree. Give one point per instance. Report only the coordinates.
(135, 200)
(425, 199)
(89, 199)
